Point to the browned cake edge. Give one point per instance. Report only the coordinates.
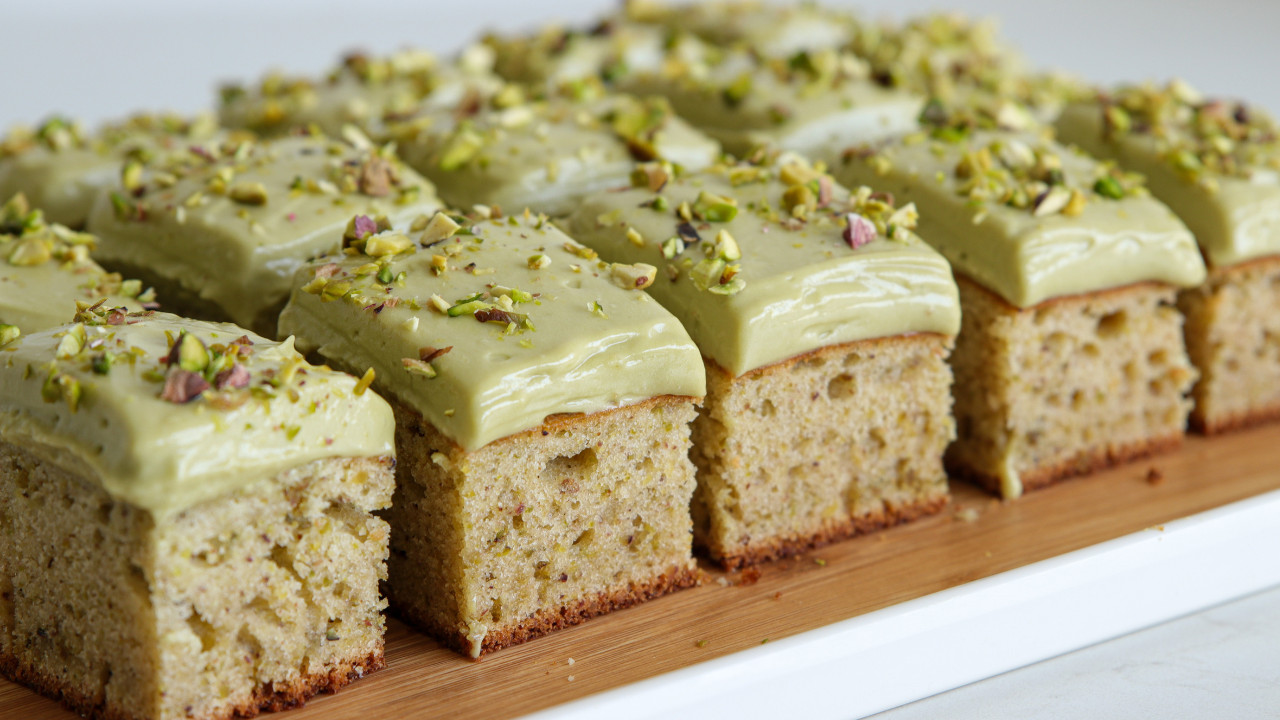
(270, 697)
(1081, 464)
(833, 531)
(549, 620)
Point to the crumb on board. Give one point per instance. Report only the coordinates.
(819, 562)
(749, 576)
(570, 661)
(570, 678)
(723, 581)
(777, 595)
(1154, 475)
(967, 515)
(702, 643)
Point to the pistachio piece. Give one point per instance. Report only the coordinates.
(538, 262)
(633, 277)
(248, 193)
(387, 243)
(858, 230)
(364, 382)
(715, 208)
(707, 272)
(440, 227)
(726, 248)
(72, 342)
(182, 386)
(1109, 187)
(8, 333)
(737, 91)
(31, 251)
(418, 367)
(1051, 201)
(460, 149)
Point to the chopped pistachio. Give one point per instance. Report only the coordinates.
(597, 309)
(364, 382)
(538, 262)
(671, 247)
(737, 90)
(248, 193)
(387, 243)
(733, 287)
(438, 304)
(1108, 187)
(1052, 201)
(707, 272)
(440, 227)
(418, 367)
(8, 333)
(633, 277)
(715, 208)
(460, 149)
(634, 237)
(726, 248)
(72, 342)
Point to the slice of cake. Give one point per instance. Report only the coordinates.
(1217, 165)
(45, 271)
(220, 229)
(768, 29)
(956, 60)
(809, 101)
(1070, 357)
(542, 417)
(185, 519)
(363, 91)
(824, 324)
(545, 155)
(62, 169)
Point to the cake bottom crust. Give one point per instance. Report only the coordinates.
(268, 698)
(549, 620)
(1236, 421)
(832, 531)
(1084, 463)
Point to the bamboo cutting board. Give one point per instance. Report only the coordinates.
(977, 536)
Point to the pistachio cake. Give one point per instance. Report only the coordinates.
(805, 102)
(362, 91)
(46, 272)
(62, 168)
(1070, 357)
(220, 228)
(542, 420)
(769, 30)
(186, 525)
(824, 325)
(1217, 164)
(545, 155)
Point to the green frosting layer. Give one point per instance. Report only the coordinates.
(361, 91)
(785, 280)
(546, 156)
(1216, 164)
(99, 398)
(488, 330)
(231, 222)
(1028, 218)
(62, 170)
(810, 101)
(45, 270)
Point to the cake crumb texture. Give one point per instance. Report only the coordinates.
(247, 602)
(1066, 387)
(839, 441)
(543, 529)
(1233, 337)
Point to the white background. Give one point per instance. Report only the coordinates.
(100, 60)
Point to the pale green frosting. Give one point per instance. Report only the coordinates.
(62, 170)
(805, 288)
(571, 357)
(771, 30)
(745, 102)
(45, 270)
(166, 457)
(241, 254)
(545, 156)
(1234, 218)
(362, 91)
(1023, 257)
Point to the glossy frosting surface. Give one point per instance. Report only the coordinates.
(361, 91)
(546, 156)
(576, 343)
(804, 287)
(167, 456)
(1235, 214)
(988, 225)
(45, 270)
(231, 222)
(61, 168)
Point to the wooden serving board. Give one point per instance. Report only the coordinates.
(977, 536)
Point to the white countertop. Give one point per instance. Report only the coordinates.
(98, 60)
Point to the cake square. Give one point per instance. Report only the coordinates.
(1069, 357)
(220, 229)
(62, 168)
(545, 155)
(824, 325)
(542, 421)
(46, 273)
(362, 91)
(186, 524)
(1215, 163)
